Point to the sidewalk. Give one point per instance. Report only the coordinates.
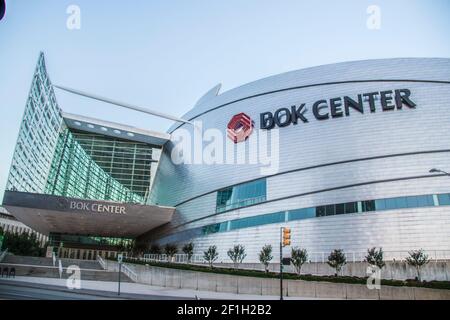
(109, 287)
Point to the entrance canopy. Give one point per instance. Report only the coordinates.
(55, 214)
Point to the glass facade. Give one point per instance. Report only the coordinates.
(357, 207)
(92, 166)
(51, 158)
(74, 241)
(241, 195)
(37, 137)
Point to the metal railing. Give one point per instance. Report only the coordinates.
(3, 254)
(313, 257)
(101, 261)
(177, 258)
(130, 273)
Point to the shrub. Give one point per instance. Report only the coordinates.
(375, 257)
(417, 259)
(211, 255)
(137, 248)
(23, 244)
(188, 249)
(337, 260)
(265, 256)
(237, 255)
(170, 250)
(298, 258)
(155, 249)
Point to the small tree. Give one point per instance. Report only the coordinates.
(417, 259)
(155, 249)
(211, 255)
(298, 258)
(24, 244)
(137, 248)
(237, 255)
(337, 260)
(170, 250)
(188, 249)
(265, 256)
(375, 257)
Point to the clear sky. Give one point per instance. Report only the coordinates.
(166, 54)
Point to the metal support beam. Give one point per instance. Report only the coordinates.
(123, 104)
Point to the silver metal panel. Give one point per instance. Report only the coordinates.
(192, 188)
(379, 69)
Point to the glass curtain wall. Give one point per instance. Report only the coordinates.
(92, 166)
(241, 195)
(37, 137)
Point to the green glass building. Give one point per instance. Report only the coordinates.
(66, 158)
(92, 166)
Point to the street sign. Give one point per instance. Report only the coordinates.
(49, 252)
(119, 258)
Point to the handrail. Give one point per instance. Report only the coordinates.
(101, 262)
(130, 273)
(3, 254)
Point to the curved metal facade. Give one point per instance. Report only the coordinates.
(349, 159)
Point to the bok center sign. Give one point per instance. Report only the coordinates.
(338, 107)
(97, 207)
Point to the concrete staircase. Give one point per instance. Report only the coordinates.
(43, 267)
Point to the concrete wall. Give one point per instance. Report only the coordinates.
(183, 279)
(399, 270)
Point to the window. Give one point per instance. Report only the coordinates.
(380, 204)
(412, 202)
(241, 195)
(400, 203)
(444, 199)
(214, 228)
(340, 208)
(300, 214)
(329, 210)
(257, 220)
(425, 201)
(320, 211)
(390, 204)
(351, 207)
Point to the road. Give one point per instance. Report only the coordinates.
(16, 290)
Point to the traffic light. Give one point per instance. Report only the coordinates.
(286, 237)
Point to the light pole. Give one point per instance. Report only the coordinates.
(434, 170)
